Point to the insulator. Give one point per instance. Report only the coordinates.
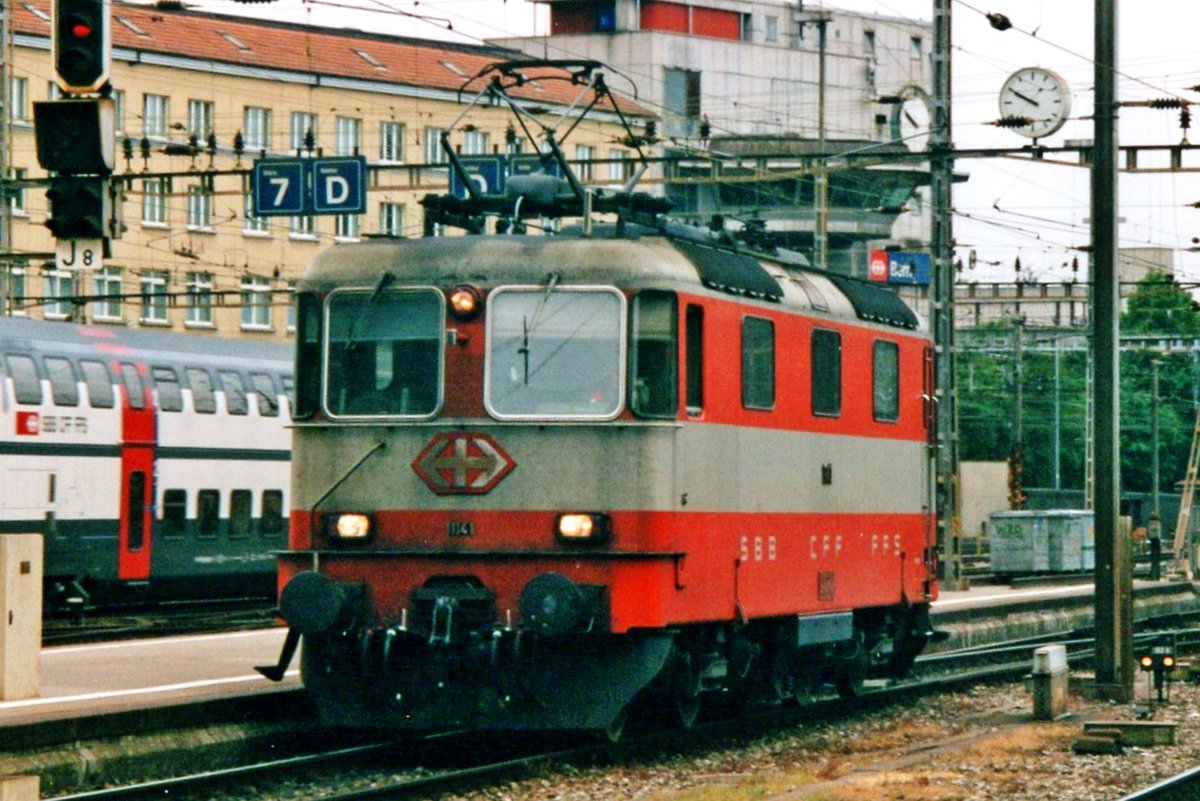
(1185, 118)
(1166, 102)
(1013, 122)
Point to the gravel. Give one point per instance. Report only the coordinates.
(978, 745)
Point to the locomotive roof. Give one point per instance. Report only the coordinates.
(22, 333)
(634, 263)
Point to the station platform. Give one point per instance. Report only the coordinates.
(106, 678)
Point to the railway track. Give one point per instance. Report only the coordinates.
(159, 620)
(1180, 787)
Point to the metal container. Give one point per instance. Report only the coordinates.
(1042, 541)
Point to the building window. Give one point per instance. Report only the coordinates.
(758, 363)
(434, 153)
(200, 118)
(869, 44)
(772, 32)
(256, 128)
(12, 290)
(826, 373)
(154, 115)
(256, 302)
(291, 307)
(58, 287)
(476, 143)
(681, 101)
(914, 48)
(154, 200)
(348, 136)
(199, 298)
(304, 226)
(886, 380)
(16, 194)
(583, 161)
(303, 131)
(107, 288)
(199, 208)
(19, 87)
(391, 141)
(391, 219)
(515, 145)
(154, 297)
(347, 226)
(250, 223)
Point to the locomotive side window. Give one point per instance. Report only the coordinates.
(384, 354)
(25, 378)
(555, 353)
(654, 363)
(170, 396)
(239, 513)
(133, 386)
(272, 513)
(826, 373)
(99, 384)
(64, 386)
(886, 381)
(758, 363)
(264, 390)
(695, 359)
(308, 356)
(208, 511)
(204, 400)
(235, 392)
(174, 516)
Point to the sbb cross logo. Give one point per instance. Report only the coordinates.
(463, 464)
(28, 424)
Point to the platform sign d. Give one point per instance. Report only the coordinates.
(486, 173)
(278, 187)
(339, 185)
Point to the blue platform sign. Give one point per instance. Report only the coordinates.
(339, 185)
(279, 187)
(487, 173)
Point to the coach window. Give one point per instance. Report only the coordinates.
(174, 515)
(25, 378)
(826, 373)
(886, 381)
(137, 510)
(239, 513)
(208, 512)
(758, 363)
(555, 353)
(99, 384)
(264, 390)
(272, 513)
(654, 362)
(384, 353)
(235, 392)
(170, 397)
(695, 359)
(64, 386)
(204, 400)
(133, 386)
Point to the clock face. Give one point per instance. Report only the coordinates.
(912, 119)
(1038, 95)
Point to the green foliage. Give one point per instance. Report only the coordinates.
(986, 391)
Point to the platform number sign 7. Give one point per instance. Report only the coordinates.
(278, 187)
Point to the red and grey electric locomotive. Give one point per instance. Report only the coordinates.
(539, 482)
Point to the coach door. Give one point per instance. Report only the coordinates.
(137, 476)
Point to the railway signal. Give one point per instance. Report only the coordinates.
(79, 207)
(1158, 659)
(82, 44)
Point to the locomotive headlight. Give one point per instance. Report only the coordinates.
(583, 527)
(465, 302)
(350, 526)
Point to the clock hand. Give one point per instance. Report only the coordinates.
(1026, 98)
(911, 119)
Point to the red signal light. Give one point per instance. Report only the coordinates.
(81, 30)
